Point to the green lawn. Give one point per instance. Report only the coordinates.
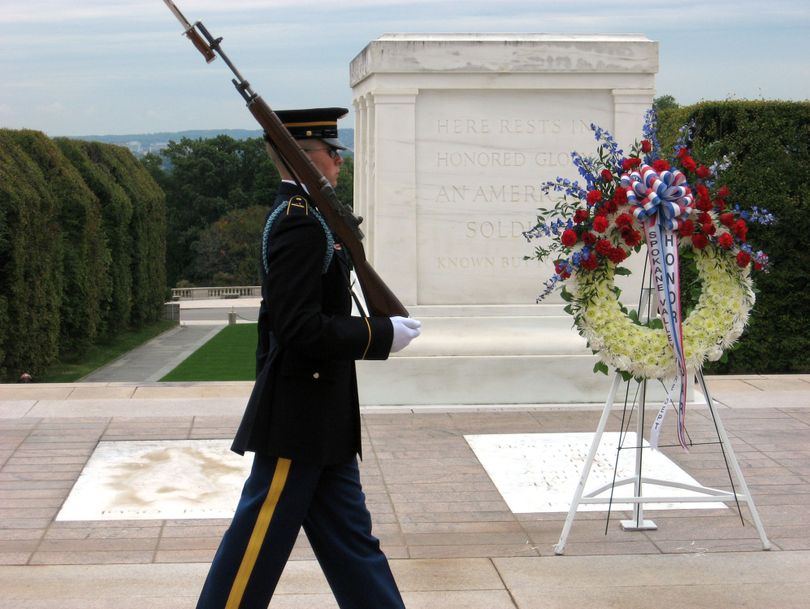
(72, 368)
(229, 356)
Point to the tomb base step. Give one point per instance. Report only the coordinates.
(491, 355)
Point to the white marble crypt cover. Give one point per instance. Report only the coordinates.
(158, 479)
(540, 472)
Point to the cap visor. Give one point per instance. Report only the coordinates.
(335, 143)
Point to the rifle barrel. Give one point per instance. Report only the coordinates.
(379, 297)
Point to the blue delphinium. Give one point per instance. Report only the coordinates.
(586, 166)
(571, 188)
(650, 132)
(757, 215)
(684, 139)
(610, 152)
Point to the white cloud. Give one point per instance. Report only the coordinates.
(130, 52)
(591, 13)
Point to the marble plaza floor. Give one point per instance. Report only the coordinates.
(443, 507)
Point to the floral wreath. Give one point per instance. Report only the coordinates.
(594, 227)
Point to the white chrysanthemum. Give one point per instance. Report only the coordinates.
(715, 324)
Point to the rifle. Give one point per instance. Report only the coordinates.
(380, 300)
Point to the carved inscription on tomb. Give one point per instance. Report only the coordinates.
(482, 158)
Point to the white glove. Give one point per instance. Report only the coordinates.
(405, 330)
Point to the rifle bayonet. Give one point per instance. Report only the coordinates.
(191, 33)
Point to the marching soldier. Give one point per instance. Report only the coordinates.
(303, 420)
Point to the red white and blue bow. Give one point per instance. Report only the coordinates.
(661, 202)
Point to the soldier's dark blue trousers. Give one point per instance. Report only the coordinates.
(279, 497)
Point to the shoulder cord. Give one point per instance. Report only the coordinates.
(330, 241)
(268, 226)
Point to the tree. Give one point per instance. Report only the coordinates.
(227, 252)
(665, 102)
(345, 185)
(203, 181)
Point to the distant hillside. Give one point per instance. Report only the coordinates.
(143, 143)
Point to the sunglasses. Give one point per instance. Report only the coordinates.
(333, 152)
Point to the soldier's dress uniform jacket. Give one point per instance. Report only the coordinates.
(303, 422)
(304, 404)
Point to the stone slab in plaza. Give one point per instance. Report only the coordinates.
(454, 136)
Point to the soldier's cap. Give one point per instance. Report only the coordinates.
(318, 123)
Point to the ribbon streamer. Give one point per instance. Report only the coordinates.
(661, 202)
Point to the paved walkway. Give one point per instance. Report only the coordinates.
(156, 358)
(453, 541)
(200, 320)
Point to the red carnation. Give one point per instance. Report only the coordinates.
(720, 204)
(726, 241)
(620, 196)
(631, 237)
(568, 238)
(646, 146)
(723, 192)
(704, 218)
(682, 152)
(704, 204)
(699, 241)
(581, 215)
(740, 229)
(688, 163)
(661, 165)
(703, 172)
(686, 228)
(600, 224)
(623, 220)
(743, 258)
(593, 196)
(588, 238)
(606, 175)
(631, 163)
(559, 268)
(757, 266)
(611, 206)
(709, 229)
(727, 219)
(617, 254)
(603, 247)
(590, 264)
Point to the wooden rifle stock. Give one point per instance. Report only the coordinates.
(380, 300)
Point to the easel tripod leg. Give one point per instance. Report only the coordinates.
(638, 523)
(732, 458)
(586, 468)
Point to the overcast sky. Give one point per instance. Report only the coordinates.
(81, 67)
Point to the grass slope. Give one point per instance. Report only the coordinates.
(229, 356)
(72, 368)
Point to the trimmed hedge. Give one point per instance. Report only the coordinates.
(30, 269)
(82, 228)
(85, 258)
(768, 144)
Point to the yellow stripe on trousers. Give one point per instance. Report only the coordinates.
(258, 535)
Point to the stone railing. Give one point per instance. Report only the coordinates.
(242, 291)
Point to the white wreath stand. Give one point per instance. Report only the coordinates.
(638, 523)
